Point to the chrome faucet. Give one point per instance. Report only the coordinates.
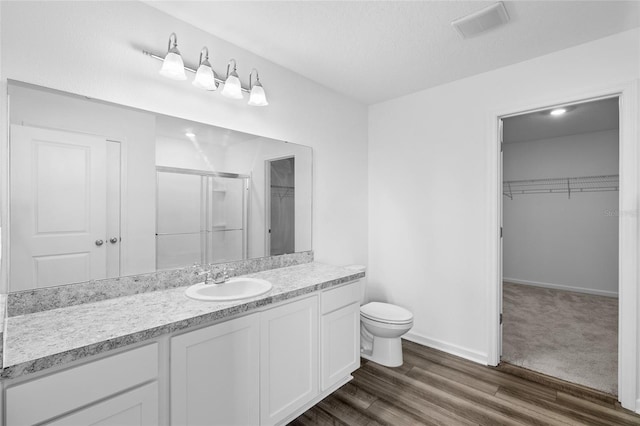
(221, 276)
(199, 271)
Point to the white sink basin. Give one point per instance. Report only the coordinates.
(233, 289)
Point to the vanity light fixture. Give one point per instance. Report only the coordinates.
(232, 87)
(172, 65)
(205, 77)
(257, 96)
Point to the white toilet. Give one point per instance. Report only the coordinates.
(381, 326)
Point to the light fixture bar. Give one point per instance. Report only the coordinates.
(186, 68)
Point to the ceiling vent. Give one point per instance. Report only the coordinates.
(481, 21)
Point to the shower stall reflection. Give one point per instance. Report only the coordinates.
(201, 217)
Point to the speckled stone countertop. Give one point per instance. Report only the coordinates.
(45, 339)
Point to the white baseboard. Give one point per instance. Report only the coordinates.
(637, 410)
(562, 287)
(470, 354)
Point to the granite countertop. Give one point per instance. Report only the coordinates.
(45, 339)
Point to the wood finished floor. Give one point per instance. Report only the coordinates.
(435, 388)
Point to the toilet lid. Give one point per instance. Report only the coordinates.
(386, 312)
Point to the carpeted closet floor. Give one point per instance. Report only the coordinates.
(571, 336)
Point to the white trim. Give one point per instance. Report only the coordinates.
(470, 354)
(628, 229)
(637, 410)
(4, 186)
(593, 291)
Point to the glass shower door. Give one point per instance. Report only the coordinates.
(201, 217)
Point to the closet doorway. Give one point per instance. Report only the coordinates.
(280, 206)
(560, 224)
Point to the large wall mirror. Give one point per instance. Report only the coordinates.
(98, 190)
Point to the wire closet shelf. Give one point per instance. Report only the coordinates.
(567, 185)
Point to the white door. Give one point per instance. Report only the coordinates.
(288, 359)
(58, 214)
(215, 376)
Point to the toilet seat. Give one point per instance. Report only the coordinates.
(386, 313)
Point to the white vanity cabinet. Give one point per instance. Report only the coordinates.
(215, 374)
(119, 389)
(288, 359)
(256, 369)
(263, 368)
(340, 333)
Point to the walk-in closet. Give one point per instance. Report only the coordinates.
(560, 242)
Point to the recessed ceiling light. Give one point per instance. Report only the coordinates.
(190, 134)
(558, 111)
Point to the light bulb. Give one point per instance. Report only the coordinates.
(232, 88)
(173, 66)
(257, 96)
(558, 111)
(205, 78)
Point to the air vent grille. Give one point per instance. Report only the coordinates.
(481, 21)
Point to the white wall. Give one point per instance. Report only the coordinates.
(429, 183)
(555, 241)
(94, 49)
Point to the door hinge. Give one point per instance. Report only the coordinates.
(501, 232)
(500, 319)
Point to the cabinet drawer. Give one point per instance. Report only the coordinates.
(50, 396)
(137, 407)
(336, 298)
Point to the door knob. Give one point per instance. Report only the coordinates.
(99, 242)
(113, 240)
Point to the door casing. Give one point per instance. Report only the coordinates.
(628, 226)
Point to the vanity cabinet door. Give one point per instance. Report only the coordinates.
(138, 407)
(42, 399)
(215, 374)
(288, 359)
(340, 344)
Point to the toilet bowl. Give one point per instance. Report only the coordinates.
(381, 326)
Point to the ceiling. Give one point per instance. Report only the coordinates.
(596, 116)
(373, 51)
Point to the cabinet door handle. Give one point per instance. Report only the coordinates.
(99, 243)
(113, 240)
